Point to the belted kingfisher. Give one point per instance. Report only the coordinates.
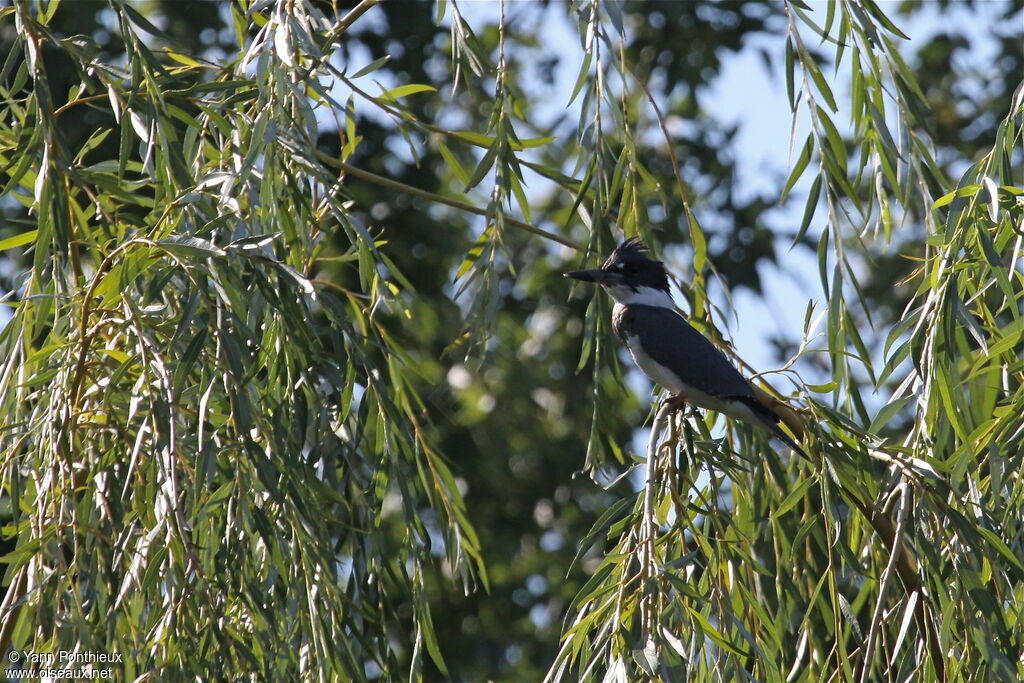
(666, 348)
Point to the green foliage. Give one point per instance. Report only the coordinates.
(201, 442)
(290, 368)
(782, 570)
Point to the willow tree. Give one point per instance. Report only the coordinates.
(222, 451)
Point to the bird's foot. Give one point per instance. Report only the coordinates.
(676, 403)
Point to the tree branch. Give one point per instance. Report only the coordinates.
(353, 14)
(430, 196)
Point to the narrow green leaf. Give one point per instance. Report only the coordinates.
(426, 624)
(18, 240)
(647, 659)
(1000, 545)
(883, 131)
(820, 82)
(943, 200)
(970, 323)
(303, 283)
(794, 497)
(187, 245)
(520, 195)
(142, 22)
(830, 16)
(813, 195)
(411, 89)
(483, 167)
(993, 198)
(372, 66)
(835, 140)
(119, 356)
(887, 412)
(581, 78)
(478, 139)
(530, 143)
(713, 633)
(456, 168)
(884, 20)
(473, 255)
(799, 166)
(22, 553)
(950, 405)
(790, 75)
(699, 243)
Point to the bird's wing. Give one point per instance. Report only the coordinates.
(670, 341)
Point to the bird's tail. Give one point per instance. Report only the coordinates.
(772, 411)
(786, 439)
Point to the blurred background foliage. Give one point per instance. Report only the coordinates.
(468, 457)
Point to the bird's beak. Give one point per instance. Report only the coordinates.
(597, 276)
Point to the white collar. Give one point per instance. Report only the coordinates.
(644, 296)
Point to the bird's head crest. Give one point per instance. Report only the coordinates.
(630, 250)
(628, 269)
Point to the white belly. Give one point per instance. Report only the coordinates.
(659, 374)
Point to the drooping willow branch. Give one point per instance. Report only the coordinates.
(430, 196)
(649, 523)
(566, 183)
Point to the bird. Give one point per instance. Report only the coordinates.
(667, 348)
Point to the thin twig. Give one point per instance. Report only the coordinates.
(408, 117)
(356, 12)
(906, 567)
(11, 606)
(683, 194)
(170, 451)
(430, 196)
(649, 523)
(890, 571)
